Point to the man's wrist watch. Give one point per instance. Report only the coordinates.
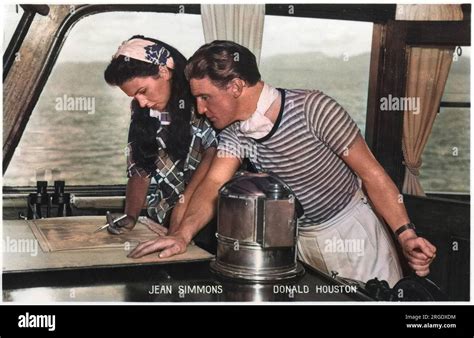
(405, 227)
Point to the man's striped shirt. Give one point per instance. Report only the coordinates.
(305, 149)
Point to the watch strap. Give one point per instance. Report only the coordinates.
(404, 227)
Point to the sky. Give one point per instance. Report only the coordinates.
(96, 37)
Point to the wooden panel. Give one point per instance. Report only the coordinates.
(447, 225)
(387, 78)
(459, 283)
(375, 80)
(20, 87)
(75, 233)
(17, 238)
(16, 40)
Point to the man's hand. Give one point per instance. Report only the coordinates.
(199, 212)
(418, 251)
(168, 245)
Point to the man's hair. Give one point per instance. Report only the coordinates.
(222, 61)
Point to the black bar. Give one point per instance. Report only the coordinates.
(40, 9)
(354, 12)
(120, 321)
(448, 104)
(438, 33)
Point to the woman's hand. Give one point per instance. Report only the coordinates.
(125, 225)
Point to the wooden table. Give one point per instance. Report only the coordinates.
(107, 275)
(22, 251)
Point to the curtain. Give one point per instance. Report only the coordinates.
(428, 69)
(428, 12)
(239, 23)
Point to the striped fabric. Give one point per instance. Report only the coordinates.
(304, 149)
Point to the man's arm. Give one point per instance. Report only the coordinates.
(198, 176)
(386, 199)
(200, 211)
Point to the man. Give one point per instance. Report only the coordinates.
(310, 142)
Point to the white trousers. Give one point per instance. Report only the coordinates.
(354, 243)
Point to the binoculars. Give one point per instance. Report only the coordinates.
(41, 203)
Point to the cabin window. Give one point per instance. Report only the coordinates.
(78, 129)
(12, 15)
(445, 167)
(330, 55)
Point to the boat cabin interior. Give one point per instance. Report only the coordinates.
(65, 131)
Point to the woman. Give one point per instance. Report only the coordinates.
(166, 140)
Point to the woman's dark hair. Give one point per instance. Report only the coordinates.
(222, 61)
(143, 128)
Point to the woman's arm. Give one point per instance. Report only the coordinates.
(198, 176)
(201, 209)
(137, 189)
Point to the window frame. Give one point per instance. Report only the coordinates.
(454, 104)
(20, 32)
(462, 37)
(77, 13)
(461, 196)
(380, 14)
